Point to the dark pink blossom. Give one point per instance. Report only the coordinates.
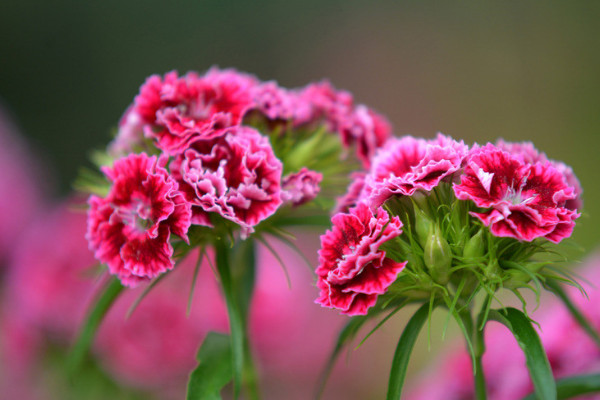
(273, 101)
(236, 176)
(176, 111)
(367, 129)
(322, 102)
(353, 194)
(405, 165)
(352, 270)
(301, 187)
(523, 200)
(130, 228)
(529, 154)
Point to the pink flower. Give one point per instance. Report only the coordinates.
(530, 155)
(366, 128)
(524, 201)
(352, 270)
(273, 101)
(301, 187)
(176, 111)
(130, 229)
(236, 176)
(353, 194)
(408, 164)
(321, 101)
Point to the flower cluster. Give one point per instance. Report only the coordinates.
(456, 204)
(221, 150)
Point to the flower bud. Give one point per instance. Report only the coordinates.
(438, 257)
(423, 226)
(475, 246)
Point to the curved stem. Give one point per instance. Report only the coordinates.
(480, 386)
(479, 349)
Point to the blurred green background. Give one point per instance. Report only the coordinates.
(475, 70)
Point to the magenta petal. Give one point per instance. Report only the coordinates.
(375, 279)
(352, 270)
(129, 230)
(525, 195)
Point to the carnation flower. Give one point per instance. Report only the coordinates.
(273, 101)
(352, 270)
(408, 164)
(236, 176)
(301, 187)
(529, 154)
(368, 129)
(523, 200)
(130, 229)
(353, 194)
(178, 110)
(321, 101)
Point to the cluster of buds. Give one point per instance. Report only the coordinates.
(435, 219)
(198, 157)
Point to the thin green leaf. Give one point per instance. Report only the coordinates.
(214, 369)
(575, 312)
(383, 321)
(110, 293)
(452, 307)
(403, 351)
(293, 246)
(572, 386)
(141, 297)
(278, 258)
(345, 336)
(535, 355)
(194, 279)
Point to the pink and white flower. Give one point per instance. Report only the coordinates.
(352, 270)
(368, 129)
(130, 229)
(236, 176)
(301, 187)
(176, 111)
(405, 165)
(529, 154)
(523, 200)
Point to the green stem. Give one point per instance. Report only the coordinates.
(480, 386)
(238, 287)
(479, 348)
